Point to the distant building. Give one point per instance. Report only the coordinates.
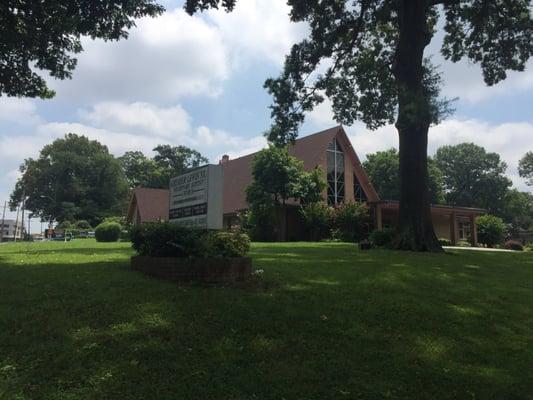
(11, 229)
(148, 205)
(346, 180)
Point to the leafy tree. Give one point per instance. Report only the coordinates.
(141, 171)
(83, 224)
(352, 220)
(156, 172)
(473, 177)
(525, 167)
(64, 225)
(310, 186)
(278, 177)
(490, 230)
(518, 210)
(44, 35)
(174, 160)
(317, 219)
(375, 71)
(73, 178)
(382, 168)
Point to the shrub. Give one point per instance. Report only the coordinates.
(464, 243)
(317, 219)
(513, 245)
(528, 247)
(352, 220)
(83, 225)
(119, 220)
(490, 230)
(228, 244)
(171, 240)
(261, 223)
(107, 232)
(167, 240)
(445, 242)
(382, 238)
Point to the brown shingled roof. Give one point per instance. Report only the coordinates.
(310, 149)
(151, 205)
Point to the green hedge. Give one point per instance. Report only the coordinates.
(107, 232)
(171, 240)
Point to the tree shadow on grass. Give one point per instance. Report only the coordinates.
(395, 325)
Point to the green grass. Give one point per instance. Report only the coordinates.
(328, 322)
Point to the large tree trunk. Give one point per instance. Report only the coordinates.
(415, 230)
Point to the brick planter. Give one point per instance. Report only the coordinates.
(208, 270)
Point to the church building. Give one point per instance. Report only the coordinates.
(346, 180)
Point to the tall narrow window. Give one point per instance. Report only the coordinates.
(358, 191)
(335, 173)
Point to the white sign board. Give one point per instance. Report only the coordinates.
(196, 198)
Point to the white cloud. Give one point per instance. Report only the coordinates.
(465, 80)
(258, 29)
(163, 58)
(19, 110)
(218, 142)
(140, 118)
(177, 55)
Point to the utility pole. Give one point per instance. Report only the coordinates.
(22, 219)
(29, 226)
(3, 220)
(16, 224)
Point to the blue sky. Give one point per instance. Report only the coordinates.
(197, 81)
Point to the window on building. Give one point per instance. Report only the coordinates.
(465, 232)
(335, 157)
(358, 192)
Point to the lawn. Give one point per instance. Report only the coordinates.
(326, 322)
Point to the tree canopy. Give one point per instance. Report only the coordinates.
(367, 57)
(278, 177)
(473, 177)
(44, 35)
(156, 172)
(525, 167)
(382, 168)
(73, 178)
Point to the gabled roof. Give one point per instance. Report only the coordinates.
(151, 205)
(310, 149)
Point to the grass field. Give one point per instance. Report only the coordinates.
(327, 322)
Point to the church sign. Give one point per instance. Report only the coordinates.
(196, 198)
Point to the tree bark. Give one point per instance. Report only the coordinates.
(415, 229)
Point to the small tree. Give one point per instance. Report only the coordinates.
(317, 218)
(352, 221)
(490, 230)
(278, 177)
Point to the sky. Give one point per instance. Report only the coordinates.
(198, 81)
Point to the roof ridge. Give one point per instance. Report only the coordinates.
(296, 140)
